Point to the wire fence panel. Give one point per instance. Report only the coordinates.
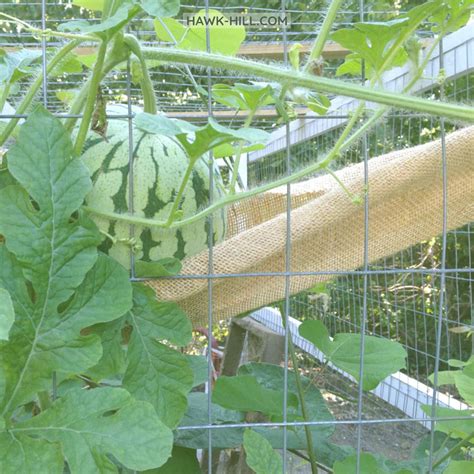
(421, 297)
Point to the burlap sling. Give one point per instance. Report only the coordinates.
(327, 229)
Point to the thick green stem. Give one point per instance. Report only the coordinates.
(182, 188)
(146, 84)
(91, 98)
(47, 32)
(4, 97)
(318, 46)
(235, 169)
(301, 393)
(35, 87)
(80, 99)
(321, 84)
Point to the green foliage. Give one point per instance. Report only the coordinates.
(244, 393)
(460, 426)
(97, 5)
(260, 455)
(381, 356)
(203, 139)
(160, 8)
(14, 65)
(182, 460)
(225, 39)
(272, 377)
(243, 96)
(459, 467)
(155, 372)
(380, 46)
(60, 288)
(89, 425)
(106, 28)
(7, 314)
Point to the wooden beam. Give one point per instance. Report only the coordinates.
(227, 114)
(250, 50)
(275, 50)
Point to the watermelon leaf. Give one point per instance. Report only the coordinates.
(97, 5)
(14, 65)
(60, 290)
(243, 96)
(244, 393)
(260, 455)
(91, 424)
(160, 8)
(381, 356)
(161, 268)
(203, 139)
(109, 26)
(224, 41)
(459, 427)
(273, 377)
(157, 373)
(182, 460)
(7, 314)
(70, 288)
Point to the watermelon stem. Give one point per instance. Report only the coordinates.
(308, 81)
(179, 196)
(117, 55)
(146, 84)
(35, 87)
(91, 98)
(235, 168)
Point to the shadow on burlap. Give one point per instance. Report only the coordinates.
(405, 195)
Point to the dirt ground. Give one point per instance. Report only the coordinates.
(392, 440)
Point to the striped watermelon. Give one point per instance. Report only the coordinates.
(159, 165)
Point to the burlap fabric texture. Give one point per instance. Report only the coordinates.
(405, 196)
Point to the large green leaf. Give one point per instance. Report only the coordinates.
(20, 453)
(260, 455)
(460, 467)
(452, 15)
(368, 464)
(465, 384)
(160, 8)
(97, 5)
(182, 460)
(7, 314)
(110, 25)
(63, 291)
(157, 373)
(272, 377)
(380, 44)
(91, 424)
(245, 393)
(203, 139)
(225, 39)
(198, 414)
(459, 427)
(14, 65)
(381, 357)
(112, 364)
(243, 96)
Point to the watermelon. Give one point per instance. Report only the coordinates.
(159, 163)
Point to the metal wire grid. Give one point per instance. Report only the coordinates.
(352, 298)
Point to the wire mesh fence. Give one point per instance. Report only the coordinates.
(419, 297)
